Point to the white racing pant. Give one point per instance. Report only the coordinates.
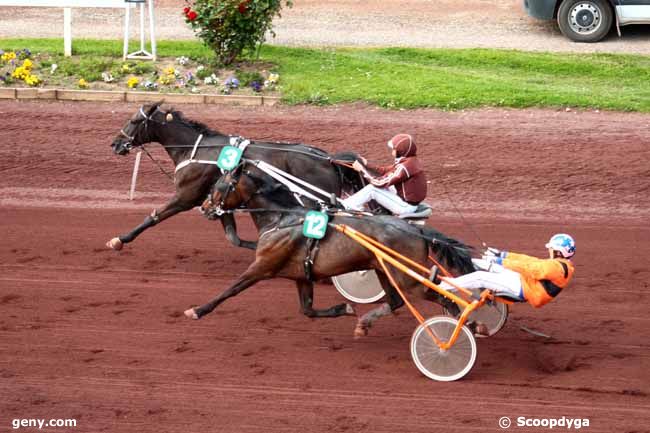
(502, 281)
(388, 198)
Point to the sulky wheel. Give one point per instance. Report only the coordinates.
(494, 315)
(362, 287)
(443, 365)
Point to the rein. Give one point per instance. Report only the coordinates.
(158, 164)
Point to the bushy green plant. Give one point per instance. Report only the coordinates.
(231, 26)
(247, 77)
(90, 68)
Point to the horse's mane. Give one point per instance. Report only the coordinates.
(199, 127)
(204, 129)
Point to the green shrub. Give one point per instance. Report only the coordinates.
(229, 27)
(247, 77)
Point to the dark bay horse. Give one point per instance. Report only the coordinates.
(178, 135)
(283, 250)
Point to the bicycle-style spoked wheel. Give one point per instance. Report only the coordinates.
(493, 315)
(443, 365)
(362, 287)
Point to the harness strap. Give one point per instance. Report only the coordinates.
(279, 175)
(187, 162)
(196, 145)
(313, 245)
(294, 183)
(238, 142)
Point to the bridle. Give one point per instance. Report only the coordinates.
(217, 210)
(143, 119)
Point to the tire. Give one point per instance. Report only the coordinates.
(434, 363)
(585, 20)
(493, 315)
(362, 287)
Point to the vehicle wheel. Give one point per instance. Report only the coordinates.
(493, 315)
(438, 364)
(362, 287)
(585, 20)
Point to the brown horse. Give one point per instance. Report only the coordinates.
(283, 251)
(180, 138)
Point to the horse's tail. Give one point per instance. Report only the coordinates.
(451, 252)
(351, 181)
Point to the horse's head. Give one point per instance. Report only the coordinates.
(136, 132)
(232, 190)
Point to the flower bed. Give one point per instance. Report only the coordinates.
(168, 75)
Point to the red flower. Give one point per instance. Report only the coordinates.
(243, 7)
(191, 15)
(186, 10)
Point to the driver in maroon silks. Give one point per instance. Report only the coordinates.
(399, 187)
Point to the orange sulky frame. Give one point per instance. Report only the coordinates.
(385, 254)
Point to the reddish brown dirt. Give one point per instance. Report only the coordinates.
(99, 336)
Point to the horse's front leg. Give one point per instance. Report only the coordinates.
(255, 272)
(172, 208)
(306, 296)
(230, 227)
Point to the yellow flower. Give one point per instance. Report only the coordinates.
(166, 79)
(83, 84)
(273, 78)
(132, 82)
(20, 72)
(170, 71)
(27, 64)
(32, 80)
(9, 55)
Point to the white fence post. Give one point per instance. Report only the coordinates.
(142, 53)
(134, 177)
(67, 32)
(119, 4)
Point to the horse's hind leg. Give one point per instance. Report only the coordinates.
(393, 302)
(306, 295)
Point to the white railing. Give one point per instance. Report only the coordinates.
(118, 4)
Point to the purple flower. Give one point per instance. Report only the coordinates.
(257, 87)
(232, 83)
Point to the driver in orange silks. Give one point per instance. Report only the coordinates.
(521, 277)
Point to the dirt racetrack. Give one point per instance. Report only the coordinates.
(99, 336)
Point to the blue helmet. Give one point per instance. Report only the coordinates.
(563, 243)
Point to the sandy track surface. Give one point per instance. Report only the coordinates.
(99, 336)
(415, 23)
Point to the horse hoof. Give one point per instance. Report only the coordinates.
(115, 244)
(191, 314)
(360, 332)
(349, 310)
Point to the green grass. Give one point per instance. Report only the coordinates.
(440, 78)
